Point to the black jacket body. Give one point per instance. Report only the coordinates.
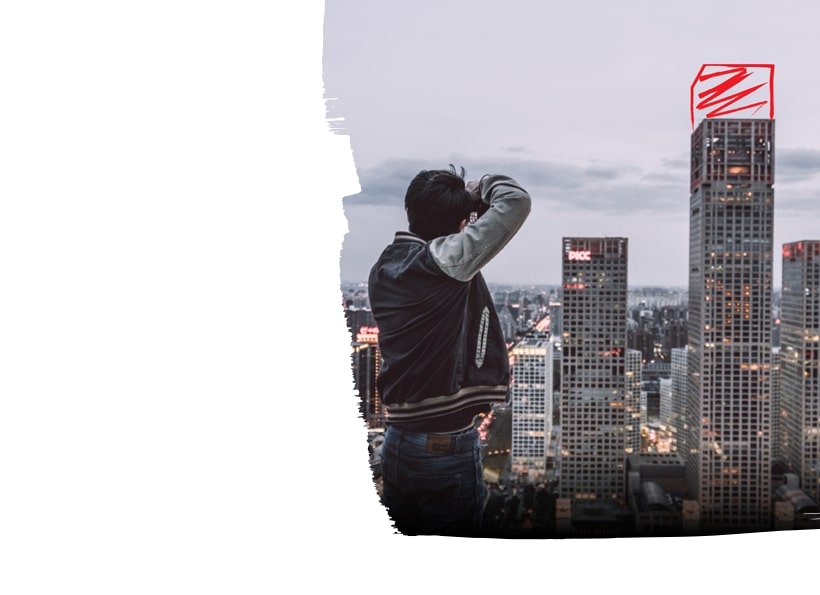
(444, 357)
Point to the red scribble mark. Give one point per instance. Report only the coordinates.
(714, 84)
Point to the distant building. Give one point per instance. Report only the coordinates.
(656, 370)
(800, 364)
(366, 360)
(664, 426)
(777, 409)
(793, 508)
(554, 308)
(632, 401)
(675, 419)
(596, 402)
(655, 330)
(601, 518)
(508, 324)
(358, 317)
(531, 396)
(674, 330)
(651, 374)
(665, 389)
(656, 491)
(641, 337)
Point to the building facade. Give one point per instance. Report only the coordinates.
(777, 410)
(800, 364)
(635, 413)
(597, 400)
(729, 332)
(676, 419)
(531, 396)
(366, 361)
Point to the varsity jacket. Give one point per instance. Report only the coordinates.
(444, 358)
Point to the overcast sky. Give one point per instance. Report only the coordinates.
(586, 104)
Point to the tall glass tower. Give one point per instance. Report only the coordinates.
(598, 397)
(730, 328)
(800, 363)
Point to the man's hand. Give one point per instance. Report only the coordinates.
(474, 188)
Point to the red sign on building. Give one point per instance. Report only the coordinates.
(582, 255)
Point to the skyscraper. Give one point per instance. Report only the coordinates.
(729, 335)
(597, 398)
(366, 359)
(635, 414)
(800, 363)
(531, 388)
(777, 410)
(676, 421)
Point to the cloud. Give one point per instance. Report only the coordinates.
(681, 162)
(610, 188)
(805, 201)
(602, 173)
(665, 177)
(673, 172)
(629, 197)
(385, 183)
(600, 188)
(793, 165)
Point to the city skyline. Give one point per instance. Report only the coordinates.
(595, 304)
(597, 139)
(732, 364)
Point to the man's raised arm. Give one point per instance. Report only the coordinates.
(503, 206)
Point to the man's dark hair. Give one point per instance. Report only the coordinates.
(436, 202)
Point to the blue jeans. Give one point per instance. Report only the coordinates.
(433, 483)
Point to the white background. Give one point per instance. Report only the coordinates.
(176, 409)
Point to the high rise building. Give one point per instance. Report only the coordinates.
(358, 318)
(676, 420)
(776, 408)
(729, 334)
(800, 363)
(366, 360)
(531, 396)
(665, 408)
(635, 418)
(597, 399)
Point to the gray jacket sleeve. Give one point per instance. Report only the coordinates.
(462, 255)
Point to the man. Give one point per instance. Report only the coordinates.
(444, 358)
